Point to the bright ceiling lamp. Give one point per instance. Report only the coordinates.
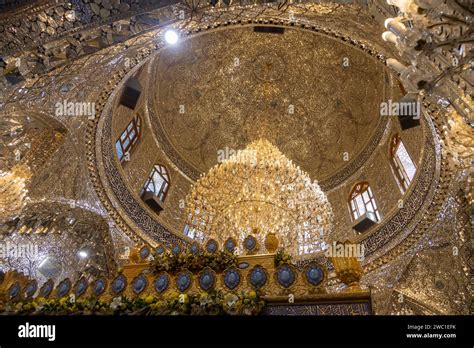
(171, 36)
(82, 254)
(256, 192)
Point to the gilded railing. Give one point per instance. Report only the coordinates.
(195, 282)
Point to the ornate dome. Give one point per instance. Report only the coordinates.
(228, 88)
(149, 118)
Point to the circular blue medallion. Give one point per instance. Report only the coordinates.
(314, 274)
(144, 252)
(119, 284)
(63, 288)
(31, 288)
(231, 278)
(176, 250)
(194, 248)
(161, 283)
(250, 243)
(258, 277)
(285, 276)
(211, 246)
(81, 287)
(160, 250)
(14, 290)
(46, 289)
(139, 284)
(230, 245)
(207, 279)
(183, 281)
(99, 287)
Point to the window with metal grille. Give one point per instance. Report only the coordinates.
(158, 182)
(188, 231)
(404, 166)
(128, 139)
(362, 200)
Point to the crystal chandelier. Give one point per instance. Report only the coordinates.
(255, 192)
(434, 39)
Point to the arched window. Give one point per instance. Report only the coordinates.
(404, 166)
(188, 231)
(128, 139)
(193, 233)
(362, 201)
(158, 182)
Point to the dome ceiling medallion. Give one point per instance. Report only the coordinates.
(228, 88)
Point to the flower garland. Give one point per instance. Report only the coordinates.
(172, 303)
(282, 257)
(174, 263)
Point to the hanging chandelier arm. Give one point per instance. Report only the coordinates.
(449, 71)
(463, 7)
(291, 213)
(453, 18)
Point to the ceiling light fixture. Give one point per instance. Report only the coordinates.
(83, 254)
(171, 36)
(256, 192)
